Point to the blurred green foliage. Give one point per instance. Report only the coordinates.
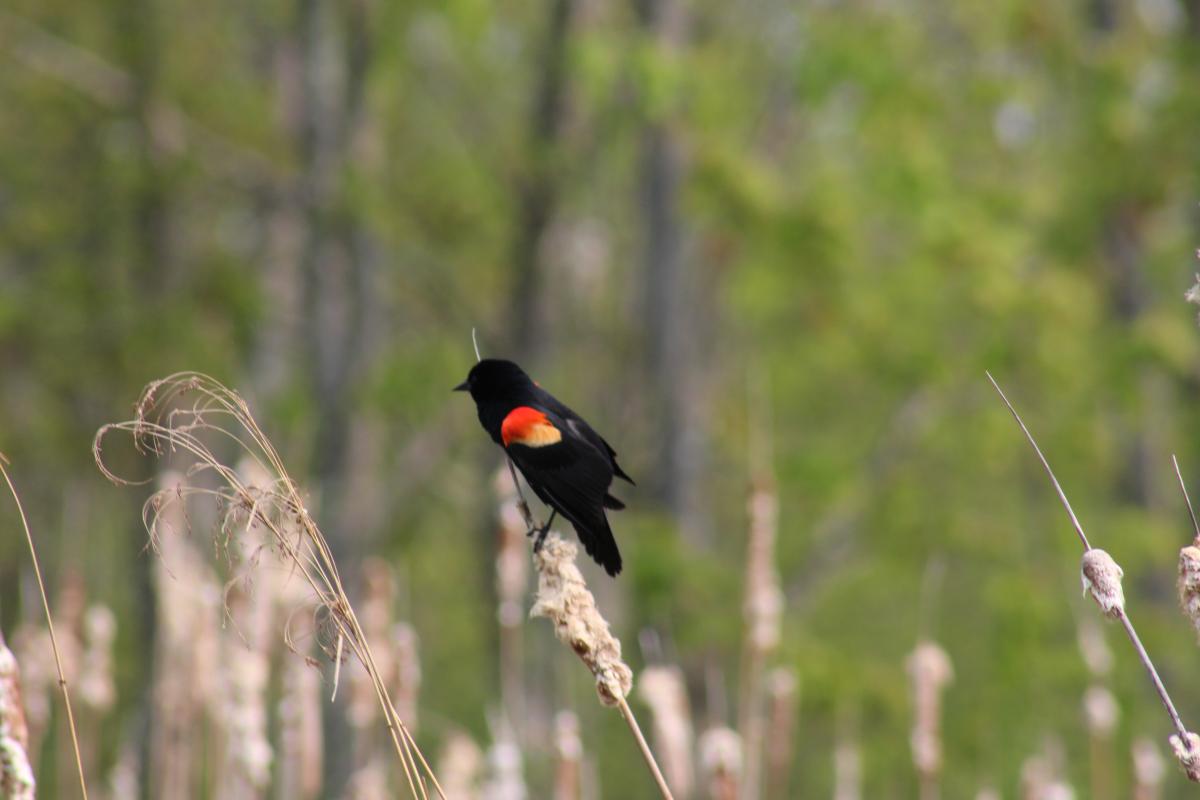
(880, 201)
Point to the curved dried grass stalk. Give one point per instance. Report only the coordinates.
(180, 415)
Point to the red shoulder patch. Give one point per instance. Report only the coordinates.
(530, 427)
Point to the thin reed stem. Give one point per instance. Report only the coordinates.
(1057, 487)
(62, 680)
(632, 722)
(1186, 499)
(1119, 611)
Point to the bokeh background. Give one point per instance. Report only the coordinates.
(762, 244)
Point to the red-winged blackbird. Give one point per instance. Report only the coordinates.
(566, 463)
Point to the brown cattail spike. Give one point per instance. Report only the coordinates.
(1101, 578)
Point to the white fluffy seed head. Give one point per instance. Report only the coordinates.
(1189, 583)
(1188, 754)
(1100, 710)
(564, 599)
(1101, 578)
(721, 752)
(1148, 767)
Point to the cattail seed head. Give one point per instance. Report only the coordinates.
(1188, 754)
(1148, 768)
(459, 765)
(1101, 577)
(1100, 711)
(930, 670)
(564, 599)
(1192, 295)
(96, 686)
(721, 762)
(16, 774)
(1092, 645)
(662, 689)
(1189, 583)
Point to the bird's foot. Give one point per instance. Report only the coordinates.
(540, 534)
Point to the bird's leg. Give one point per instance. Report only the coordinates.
(542, 532)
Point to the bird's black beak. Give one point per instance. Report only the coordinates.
(462, 387)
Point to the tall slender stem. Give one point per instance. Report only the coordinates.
(62, 680)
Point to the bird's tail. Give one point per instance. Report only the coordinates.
(598, 540)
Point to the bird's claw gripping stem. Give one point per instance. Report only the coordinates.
(540, 533)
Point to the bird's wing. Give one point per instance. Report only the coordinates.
(580, 426)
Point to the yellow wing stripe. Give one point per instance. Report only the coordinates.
(529, 427)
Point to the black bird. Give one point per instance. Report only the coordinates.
(566, 463)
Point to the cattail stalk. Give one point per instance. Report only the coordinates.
(662, 689)
(1101, 577)
(762, 609)
(300, 735)
(568, 752)
(721, 762)
(930, 670)
(62, 680)
(505, 779)
(781, 724)
(847, 769)
(188, 676)
(1041, 775)
(459, 763)
(512, 578)
(1148, 770)
(564, 599)
(1100, 714)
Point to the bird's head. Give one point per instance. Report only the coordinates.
(494, 379)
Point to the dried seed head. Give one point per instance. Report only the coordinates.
(764, 601)
(1094, 647)
(564, 599)
(505, 779)
(16, 775)
(458, 766)
(405, 644)
(96, 687)
(512, 563)
(1148, 767)
(1192, 295)
(930, 669)
(1189, 583)
(1100, 710)
(1101, 577)
(721, 762)
(1188, 754)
